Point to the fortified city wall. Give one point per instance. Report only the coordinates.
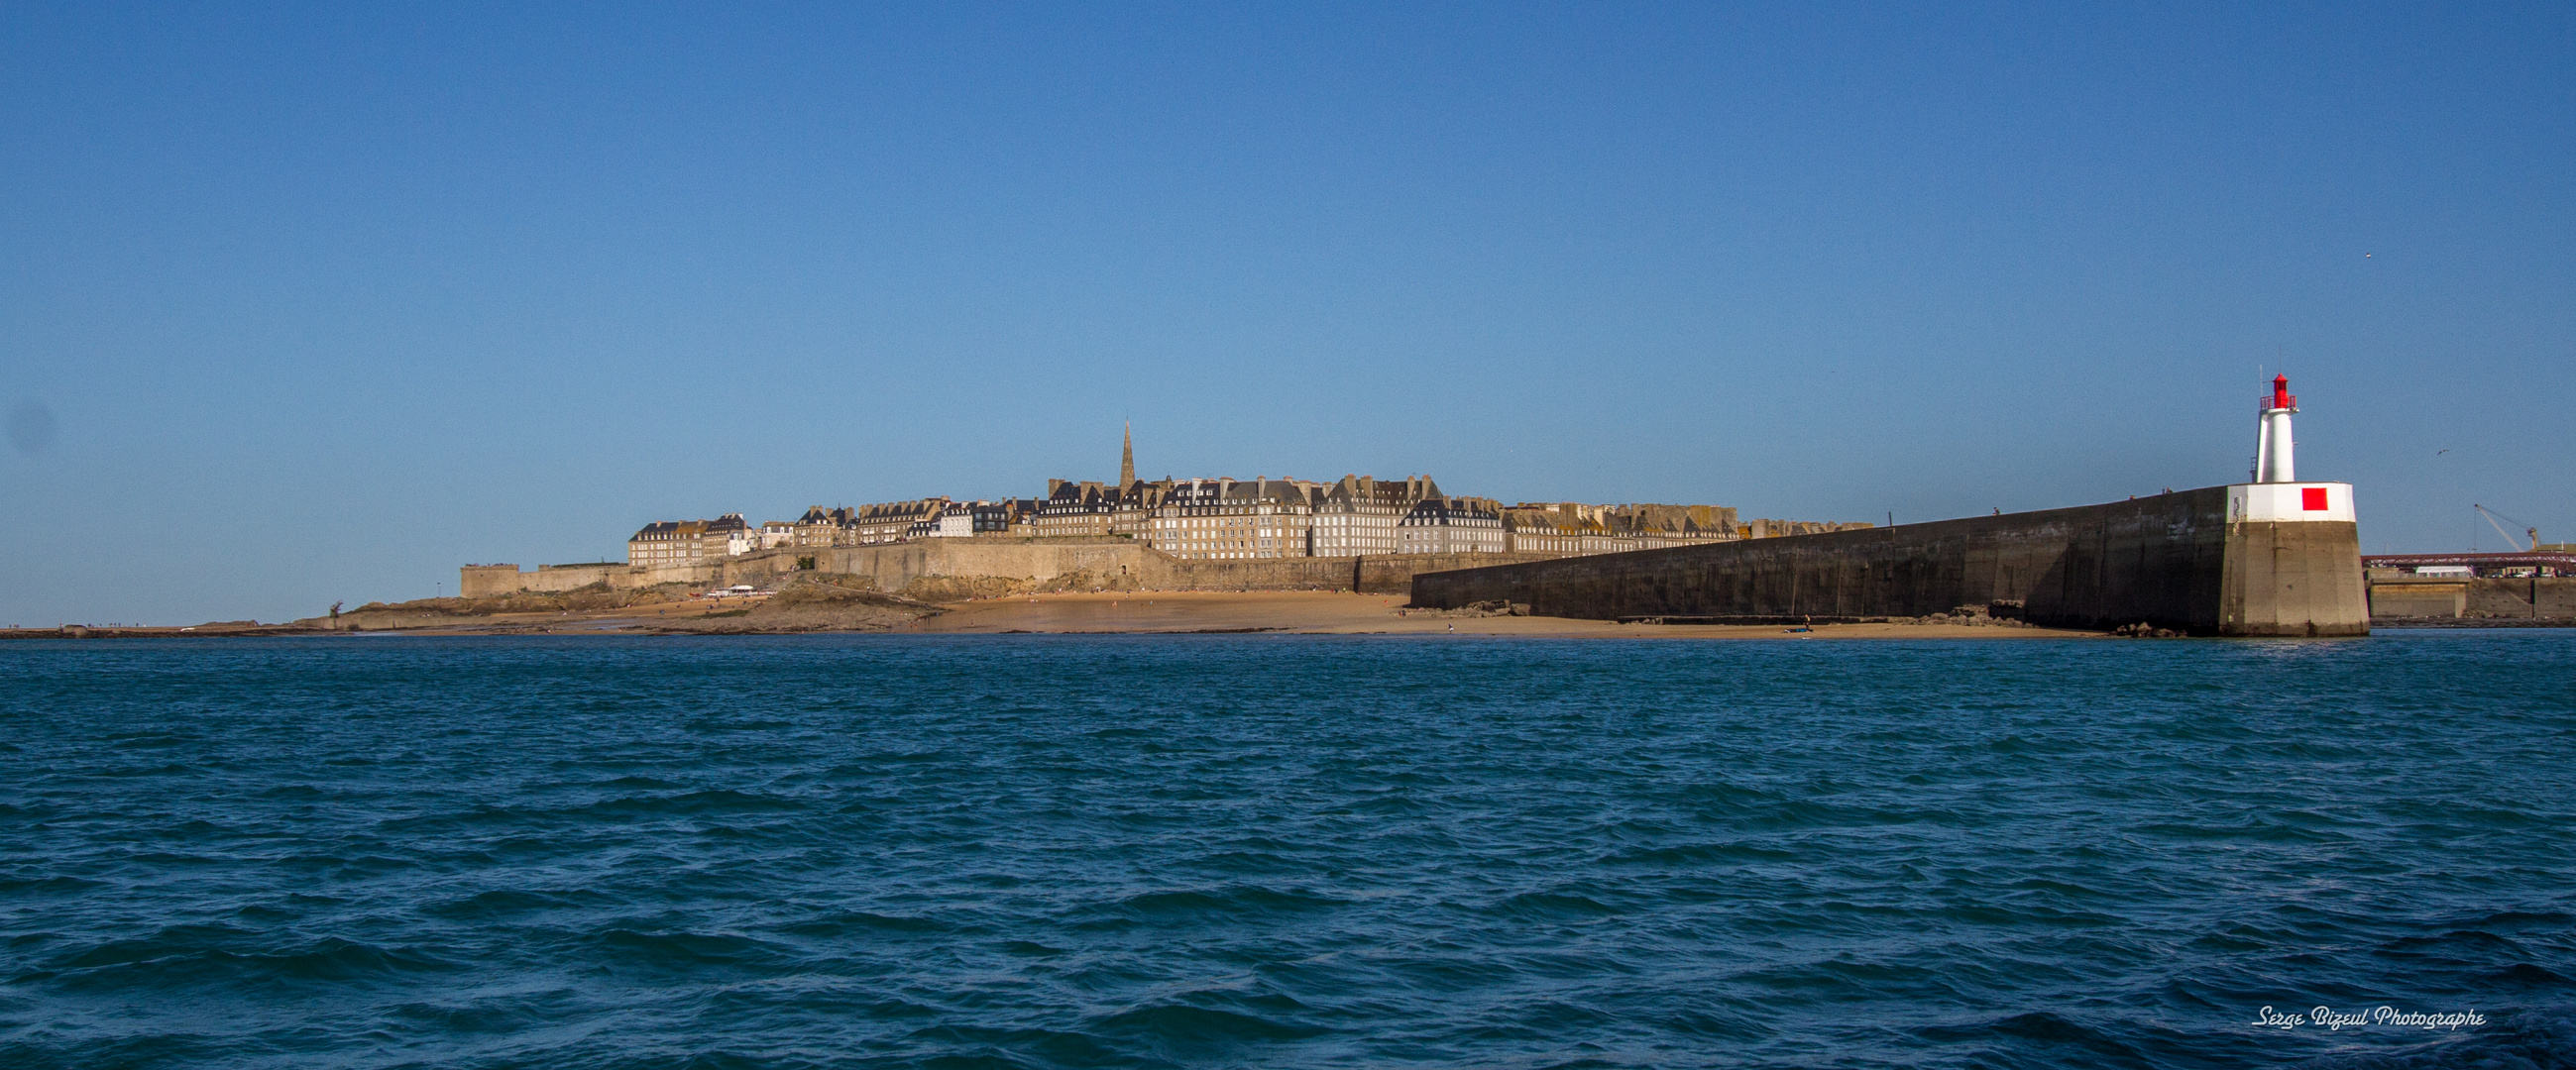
(486, 581)
(1108, 563)
(975, 563)
(2171, 560)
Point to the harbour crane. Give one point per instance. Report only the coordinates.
(2530, 532)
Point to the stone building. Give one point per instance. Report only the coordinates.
(1358, 515)
(956, 521)
(1772, 529)
(1447, 525)
(1575, 528)
(1072, 510)
(1134, 513)
(689, 542)
(1654, 527)
(965, 520)
(827, 527)
(1228, 519)
(1224, 519)
(1231, 519)
(1554, 528)
(893, 521)
(1085, 508)
(1003, 517)
(1019, 517)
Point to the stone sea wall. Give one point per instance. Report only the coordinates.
(2488, 597)
(2170, 561)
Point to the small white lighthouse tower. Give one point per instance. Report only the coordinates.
(2276, 494)
(2293, 558)
(2273, 461)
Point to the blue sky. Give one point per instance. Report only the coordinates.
(300, 304)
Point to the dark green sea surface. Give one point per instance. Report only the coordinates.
(1284, 851)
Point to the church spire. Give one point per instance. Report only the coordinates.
(1127, 459)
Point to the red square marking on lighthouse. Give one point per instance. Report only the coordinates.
(2312, 499)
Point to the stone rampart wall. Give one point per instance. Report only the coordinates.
(1111, 564)
(1382, 574)
(1107, 563)
(486, 581)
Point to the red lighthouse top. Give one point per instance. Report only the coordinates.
(2281, 398)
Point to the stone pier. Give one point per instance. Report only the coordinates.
(2243, 560)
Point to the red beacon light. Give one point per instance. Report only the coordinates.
(2281, 397)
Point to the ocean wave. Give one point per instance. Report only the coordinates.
(2045, 1039)
(1182, 1030)
(1217, 905)
(499, 903)
(844, 923)
(683, 952)
(2518, 1039)
(182, 957)
(1140, 853)
(58, 884)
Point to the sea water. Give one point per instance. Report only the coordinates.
(1287, 851)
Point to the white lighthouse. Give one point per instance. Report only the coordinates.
(2276, 494)
(2273, 451)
